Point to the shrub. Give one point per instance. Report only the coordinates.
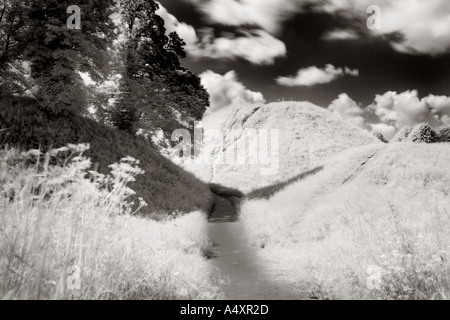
(380, 137)
(423, 133)
(402, 134)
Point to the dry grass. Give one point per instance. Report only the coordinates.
(392, 215)
(60, 217)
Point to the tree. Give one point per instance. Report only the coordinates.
(402, 134)
(54, 53)
(13, 24)
(423, 133)
(445, 134)
(166, 94)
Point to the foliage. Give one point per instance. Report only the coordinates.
(423, 133)
(164, 186)
(445, 134)
(165, 94)
(38, 37)
(380, 137)
(402, 134)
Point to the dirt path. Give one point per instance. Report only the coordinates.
(244, 274)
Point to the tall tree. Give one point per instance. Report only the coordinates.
(165, 94)
(55, 53)
(13, 24)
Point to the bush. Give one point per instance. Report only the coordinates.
(402, 135)
(445, 134)
(423, 133)
(164, 186)
(380, 137)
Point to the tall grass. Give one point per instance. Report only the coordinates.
(58, 221)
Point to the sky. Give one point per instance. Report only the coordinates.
(380, 70)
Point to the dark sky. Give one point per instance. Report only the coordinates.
(381, 68)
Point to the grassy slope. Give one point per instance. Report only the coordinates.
(58, 218)
(164, 186)
(308, 135)
(392, 212)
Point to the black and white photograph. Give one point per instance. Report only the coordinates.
(205, 151)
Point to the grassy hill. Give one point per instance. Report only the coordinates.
(164, 186)
(373, 211)
(308, 134)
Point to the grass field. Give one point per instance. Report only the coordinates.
(374, 211)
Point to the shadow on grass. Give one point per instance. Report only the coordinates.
(226, 202)
(267, 192)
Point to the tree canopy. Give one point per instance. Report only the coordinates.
(41, 57)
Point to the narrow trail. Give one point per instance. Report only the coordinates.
(244, 275)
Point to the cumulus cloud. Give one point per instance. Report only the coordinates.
(392, 111)
(225, 90)
(404, 109)
(258, 47)
(312, 76)
(440, 105)
(386, 130)
(446, 120)
(349, 110)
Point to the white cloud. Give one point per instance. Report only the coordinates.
(394, 111)
(267, 14)
(258, 47)
(348, 110)
(225, 90)
(404, 109)
(446, 120)
(312, 76)
(425, 25)
(340, 34)
(386, 130)
(440, 104)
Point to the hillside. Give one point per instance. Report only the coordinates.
(373, 211)
(308, 135)
(165, 187)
